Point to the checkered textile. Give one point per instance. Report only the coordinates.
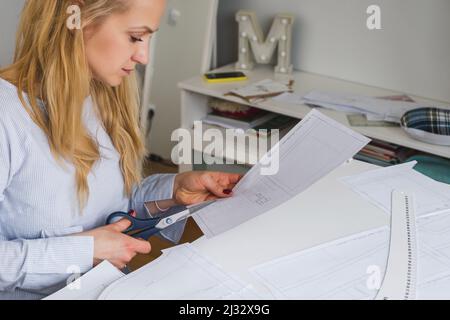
(431, 120)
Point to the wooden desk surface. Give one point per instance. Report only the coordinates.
(191, 233)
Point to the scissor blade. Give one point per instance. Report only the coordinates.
(170, 220)
(191, 209)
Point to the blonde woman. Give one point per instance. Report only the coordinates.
(70, 146)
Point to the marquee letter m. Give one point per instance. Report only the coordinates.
(251, 39)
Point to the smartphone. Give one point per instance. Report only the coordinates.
(217, 77)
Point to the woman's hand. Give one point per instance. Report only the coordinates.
(198, 186)
(112, 245)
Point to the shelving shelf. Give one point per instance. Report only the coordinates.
(195, 93)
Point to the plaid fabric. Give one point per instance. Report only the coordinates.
(431, 120)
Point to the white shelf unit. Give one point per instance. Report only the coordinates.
(195, 93)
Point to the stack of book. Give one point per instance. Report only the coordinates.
(242, 122)
(280, 122)
(262, 123)
(380, 153)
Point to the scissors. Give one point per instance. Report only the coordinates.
(145, 228)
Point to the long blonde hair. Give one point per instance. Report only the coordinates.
(50, 65)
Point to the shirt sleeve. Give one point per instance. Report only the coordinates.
(36, 265)
(154, 188)
(40, 263)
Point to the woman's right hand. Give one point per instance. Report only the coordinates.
(112, 245)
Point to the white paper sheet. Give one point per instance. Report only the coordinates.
(90, 285)
(349, 268)
(377, 186)
(433, 239)
(261, 88)
(180, 273)
(335, 270)
(387, 110)
(312, 149)
(290, 97)
(435, 289)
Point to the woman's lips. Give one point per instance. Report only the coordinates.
(127, 71)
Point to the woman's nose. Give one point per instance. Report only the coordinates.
(141, 55)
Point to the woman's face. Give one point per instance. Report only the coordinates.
(120, 42)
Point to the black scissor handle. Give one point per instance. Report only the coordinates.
(136, 223)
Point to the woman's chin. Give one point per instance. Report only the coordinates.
(114, 81)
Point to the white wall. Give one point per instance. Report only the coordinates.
(410, 54)
(180, 54)
(9, 18)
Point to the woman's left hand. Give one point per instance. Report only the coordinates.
(198, 186)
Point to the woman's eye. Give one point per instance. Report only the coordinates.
(135, 39)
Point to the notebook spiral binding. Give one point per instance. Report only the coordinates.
(399, 281)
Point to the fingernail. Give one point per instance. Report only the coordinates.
(227, 191)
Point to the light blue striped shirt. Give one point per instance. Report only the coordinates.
(38, 203)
